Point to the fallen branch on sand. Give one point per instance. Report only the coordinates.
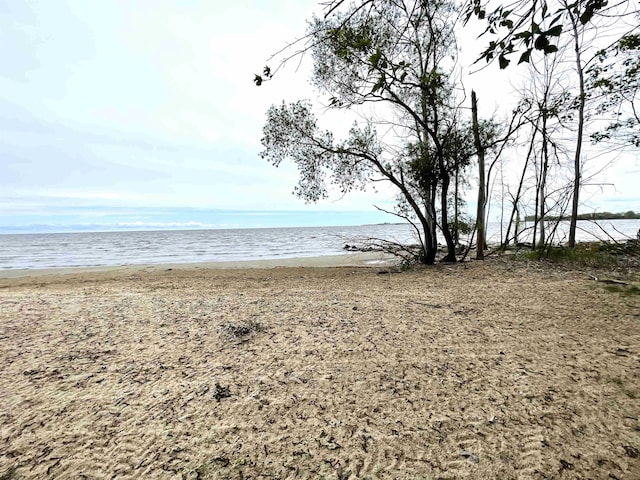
(609, 281)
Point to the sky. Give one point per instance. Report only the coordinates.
(145, 112)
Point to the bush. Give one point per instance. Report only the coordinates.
(593, 254)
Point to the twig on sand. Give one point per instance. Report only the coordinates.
(610, 281)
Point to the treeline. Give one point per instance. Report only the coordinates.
(630, 215)
(394, 66)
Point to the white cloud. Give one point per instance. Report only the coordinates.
(152, 103)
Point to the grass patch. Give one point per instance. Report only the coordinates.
(583, 254)
(10, 473)
(592, 254)
(623, 388)
(627, 291)
(240, 330)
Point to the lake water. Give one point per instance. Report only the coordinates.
(48, 250)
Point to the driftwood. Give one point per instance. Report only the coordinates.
(609, 281)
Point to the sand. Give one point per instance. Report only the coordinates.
(498, 369)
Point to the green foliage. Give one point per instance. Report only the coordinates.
(465, 225)
(292, 132)
(631, 290)
(266, 75)
(391, 54)
(9, 473)
(614, 82)
(422, 169)
(519, 25)
(628, 215)
(592, 254)
(623, 388)
(584, 256)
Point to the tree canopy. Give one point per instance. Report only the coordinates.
(398, 54)
(394, 62)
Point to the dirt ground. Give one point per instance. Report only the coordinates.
(499, 369)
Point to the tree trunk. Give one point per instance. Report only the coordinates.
(430, 254)
(446, 231)
(543, 180)
(427, 221)
(576, 161)
(481, 180)
(520, 186)
(456, 214)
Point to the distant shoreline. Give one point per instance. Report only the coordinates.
(119, 229)
(630, 215)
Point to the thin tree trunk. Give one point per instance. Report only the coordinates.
(481, 180)
(501, 199)
(576, 162)
(446, 231)
(431, 225)
(543, 180)
(456, 214)
(520, 185)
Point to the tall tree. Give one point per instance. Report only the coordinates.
(547, 26)
(576, 21)
(397, 54)
(481, 180)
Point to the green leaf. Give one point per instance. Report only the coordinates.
(375, 58)
(550, 49)
(555, 31)
(525, 57)
(586, 16)
(257, 80)
(541, 42)
(503, 61)
(508, 23)
(379, 84)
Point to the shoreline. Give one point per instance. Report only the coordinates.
(352, 259)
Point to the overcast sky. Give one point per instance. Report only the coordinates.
(116, 103)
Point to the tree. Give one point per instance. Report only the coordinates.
(526, 26)
(613, 83)
(459, 152)
(545, 26)
(397, 54)
(481, 179)
(576, 20)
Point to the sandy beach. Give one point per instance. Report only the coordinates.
(499, 369)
